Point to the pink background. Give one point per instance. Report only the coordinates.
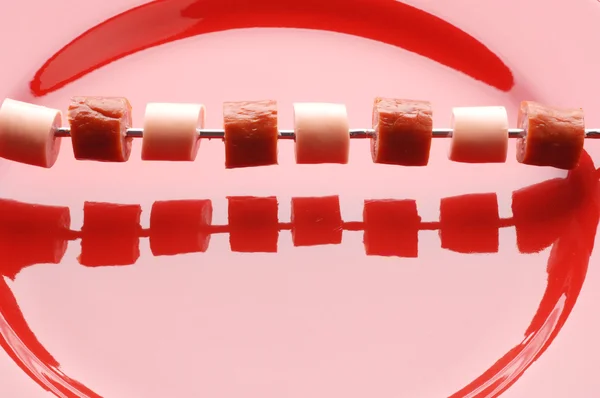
(324, 321)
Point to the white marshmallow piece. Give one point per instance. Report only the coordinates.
(479, 135)
(171, 131)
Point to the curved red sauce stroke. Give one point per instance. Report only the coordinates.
(21, 344)
(165, 21)
(567, 269)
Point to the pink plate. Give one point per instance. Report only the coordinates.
(507, 305)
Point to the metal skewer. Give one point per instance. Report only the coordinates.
(289, 134)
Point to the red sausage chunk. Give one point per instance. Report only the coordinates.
(251, 133)
(98, 128)
(403, 130)
(553, 136)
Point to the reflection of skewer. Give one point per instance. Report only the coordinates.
(110, 234)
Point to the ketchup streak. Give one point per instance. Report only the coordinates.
(21, 344)
(164, 21)
(567, 269)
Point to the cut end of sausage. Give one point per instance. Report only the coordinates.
(251, 133)
(98, 128)
(403, 132)
(553, 136)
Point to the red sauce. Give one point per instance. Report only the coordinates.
(386, 21)
(541, 212)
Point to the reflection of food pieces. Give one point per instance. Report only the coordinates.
(171, 131)
(251, 133)
(469, 223)
(28, 218)
(479, 135)
(553, 136)
(322, 133)
(316, 221)
(27, 133)
(31, 234)
(253, 224)
(98, 128)
(110, 234)
(403, 132)
(540, 213)
(391, 228)
(180, 226)
(18, 251)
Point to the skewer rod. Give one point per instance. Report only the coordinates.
(356, 226)
(289, 134)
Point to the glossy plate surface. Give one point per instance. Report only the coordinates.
(428, 319)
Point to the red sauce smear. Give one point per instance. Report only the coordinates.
(567, 268)
(22, 345)
(164, 21)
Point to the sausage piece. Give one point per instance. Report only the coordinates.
(250, 133)
(541, 212)
(98, 128)
(553, 136)
(403, 131)
(27, 133)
